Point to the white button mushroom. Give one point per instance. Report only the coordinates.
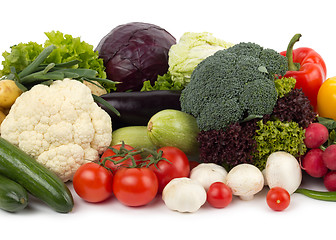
(184, 195)
(283, 170)
(208, 173)
(245, 180)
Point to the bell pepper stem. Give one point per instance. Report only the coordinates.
(292, 66)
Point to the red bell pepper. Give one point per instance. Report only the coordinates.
(307, 67)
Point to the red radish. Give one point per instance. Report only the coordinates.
(329, 157)
(313, 164)
(316, 134)
(330, 181)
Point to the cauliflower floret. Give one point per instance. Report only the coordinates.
(59, 125)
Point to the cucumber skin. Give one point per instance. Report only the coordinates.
(13, 197)
(34, 177)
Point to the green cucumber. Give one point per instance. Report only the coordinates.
(18, 166)
(13, 197)
(174, 128)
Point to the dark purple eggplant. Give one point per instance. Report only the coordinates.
(136, 108)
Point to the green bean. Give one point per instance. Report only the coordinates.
(36, 63)
(319, 195)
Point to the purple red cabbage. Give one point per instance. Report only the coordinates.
(134, 53)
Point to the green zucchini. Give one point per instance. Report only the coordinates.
(13, 197)
(34, 177)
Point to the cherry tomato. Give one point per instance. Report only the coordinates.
(110, 153)
(135, 186)
(219, 195)
(178, 166)
(326, 99)
(278, 198)
(93, 182)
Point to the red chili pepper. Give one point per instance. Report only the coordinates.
(307, 67)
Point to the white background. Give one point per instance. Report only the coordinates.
(268, 23)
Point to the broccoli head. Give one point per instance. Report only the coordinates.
(232, 84)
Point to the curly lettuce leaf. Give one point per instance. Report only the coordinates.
(284, 85)
(275, 136)
(70, 48)
(20, 56)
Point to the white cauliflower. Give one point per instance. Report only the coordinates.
(60, 126)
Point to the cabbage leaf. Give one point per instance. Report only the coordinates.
(191, 49)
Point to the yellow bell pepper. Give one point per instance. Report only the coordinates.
(326, 99)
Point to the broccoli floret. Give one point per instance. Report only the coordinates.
(248, 69)
(259, 97)
(216, 84)
(246, 49)
(221, 112)
(275, 63)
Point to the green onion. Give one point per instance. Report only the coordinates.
(36, 63)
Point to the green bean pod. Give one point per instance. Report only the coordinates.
(318, 195)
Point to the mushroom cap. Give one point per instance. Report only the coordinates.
(208, 173)
(245, 180)
(184, 195)
(283, 170)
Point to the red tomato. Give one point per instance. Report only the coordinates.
(219, 195)
(93, 182)
(110, 153)
(278, 198)
(178, 166)
(135, 186)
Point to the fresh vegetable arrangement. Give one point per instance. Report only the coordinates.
(143, 116)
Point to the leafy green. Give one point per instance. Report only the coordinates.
(284, 85)
(329, 123)
(68, 49)
(275, 136)
(20, 57)
(162, 83)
